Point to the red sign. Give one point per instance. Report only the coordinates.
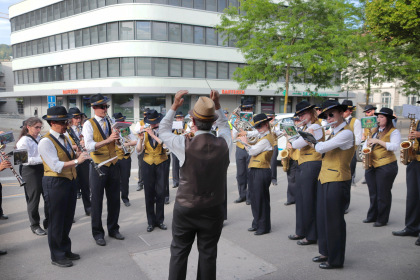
(70, 91)
(233, 91)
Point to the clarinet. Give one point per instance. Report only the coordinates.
(81, 148)
(18, 177)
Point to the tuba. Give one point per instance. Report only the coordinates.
(367, 153)
(407, 154)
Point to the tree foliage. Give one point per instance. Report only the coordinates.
(5, 51)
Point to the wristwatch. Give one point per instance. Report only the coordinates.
(76, 162)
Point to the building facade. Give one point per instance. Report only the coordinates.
(137, 52)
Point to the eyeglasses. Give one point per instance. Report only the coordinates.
(38, 127)
(102, 106)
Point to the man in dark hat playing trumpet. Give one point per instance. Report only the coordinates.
(59, 184)
(100, 142)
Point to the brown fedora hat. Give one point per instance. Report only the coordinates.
(204, 110)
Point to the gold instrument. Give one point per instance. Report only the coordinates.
(285, 159)
(242, 125)
(367, 153)
(121, 141)
(407, 154)
(3, 157)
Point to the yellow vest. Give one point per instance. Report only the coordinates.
(153, 156)
(380, 155)
(308, 153)
(416, 145)
(351, 125)
(69, 173)
(105, 152)
(120, 153)
(263, 159)
(294, 154)
(336, 164)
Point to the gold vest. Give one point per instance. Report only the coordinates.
(69, 173)
(240, 145)
(416, 144)
(120, 153)
(308, 153)
(263, 159)
(351, 125)
(294, 154)
(105, 152)
(380, 155)
(336, 164)
(153, 156)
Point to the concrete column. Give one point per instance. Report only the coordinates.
(168, 102)
(258, 105)
(79, 102)
(136, 107)
(277, 104)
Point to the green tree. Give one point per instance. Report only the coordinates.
(5, 51)
(298, 41)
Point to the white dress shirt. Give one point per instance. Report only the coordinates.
(395, 141)
(343, 140)
(260, 146)
(357, 130)
(48, 151)
(300, 143)
(74, 127)
(88, 133)
(27, 143)
(176, 143)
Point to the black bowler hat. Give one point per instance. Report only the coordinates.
(348, 103)
(98, 99)
(270, 114)
(153, 117)
(247, 104)
(369, 107)
(260, 118)
(387, 112)
(179, 114)
(302, 106)
(75, 112)
(331, 104)
(318, 107)
(57, 113)
(119, 117)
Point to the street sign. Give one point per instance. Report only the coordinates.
(51, 105)
(51, 101)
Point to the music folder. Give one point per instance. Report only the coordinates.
(308, 137)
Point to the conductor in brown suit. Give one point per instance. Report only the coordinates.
(198, 209)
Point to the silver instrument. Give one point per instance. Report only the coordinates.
(121, 141)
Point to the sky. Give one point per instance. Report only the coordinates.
(4, 23)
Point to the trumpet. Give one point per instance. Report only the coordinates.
(407, 147)
(4, 158)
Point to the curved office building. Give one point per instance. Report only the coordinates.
(137, 52)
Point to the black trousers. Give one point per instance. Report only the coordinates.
(32, 174)
(207, 224)
(124, 165)
(353, 176)
(110, 184)
(273, 163)
(291, 181)
(380, 181)
(412, 211)
(306, 194)
(242, 161)
(175, 170)
(60, 195)
(167, 169)
(259, 193)
(154, 191)
(1, 199)
(331, 200)
(140, 162)
(83, 183)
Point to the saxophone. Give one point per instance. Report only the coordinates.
(285, 158)
(367, 153)
(407, 154)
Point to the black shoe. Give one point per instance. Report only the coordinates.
(176, 185)
(239, 200)
(366, 221)
(307, 242)
(3, 252)
(100, 242)
(127, 204)
(162, 226)
(378, 224)
(87, 212)
(404, 232)
(3, 217)
(39, 231)
(63, 263)
(117, 236)
(417, 242)
(150, 228)
(45, 224)
(79, 195)
(274, 182)
(260, 232)
(72, 256)
(248, 202)
(295, 237)
(320, 259)
(139, 187)
(252, 229)
(326, 265)
(289, 203)
(166, 200)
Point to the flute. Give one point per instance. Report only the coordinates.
(3, 157)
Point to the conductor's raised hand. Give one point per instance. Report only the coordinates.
(178, 99)
(214, 95)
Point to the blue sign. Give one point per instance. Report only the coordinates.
(51, 105)
(51, 99)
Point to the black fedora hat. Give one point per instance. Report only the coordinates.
(260, 118)
(331, 104)
(179, 114)
(302, 106)
(387, 112)
(98, 99)
(369, 107)
(119, 117)
(270, 114)
(318, 107)
(153, 117)
(348, 103)
(57, 113)
(247, 104)
(74, 111)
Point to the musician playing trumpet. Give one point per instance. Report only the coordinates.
(380, 177)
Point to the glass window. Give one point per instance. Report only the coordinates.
(50, 13)
(73, 71)
(127, 30)
(175, 2)
(232, 41)
(102, 33)
(56, 11)
(78, 38)
(159, 1)
(199, 69)
(143, 30)
(39, 46)
(386, 99)
(58, 42)
(59, 72)
(25, 76)
(65, 40)
(101, 3)
(94, 35)
(45, 44)
(63, 10)
(79, 69)
(20, 77)
(159, 31)
(211, 70)
(77, 6)
(127, 66)
(86, 37)
(113, 67)
(36, 76)
(30, 76)
(211, 37)
(33, 20)
(70, 9)
(92, 4)
(85, 5)
(144, 66)
(220, 39)
(23, 47)
(155, 102)
(187, 34)
(112, 32)
(123, 103)
(174, 67)
(222, 70)
(38, 16)
(72, 44)
(233, 3)
(110, 2)
(174, 32)
(29, 48)
(232, 68)
(66, 72)
(18, 50)
(199, 4)
(211, 5)
(187, 68)
(86, 105)
(51, 41)
(87, 70)
(125, 1)
(188, 3)
(34, 47)
(103, 68)
(71, 101)
(141, 1)
(160, 67)
(27, 20)
(95, 69)
(44, 15)
(199, 35)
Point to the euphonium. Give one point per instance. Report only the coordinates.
(241, 125)
(367, 153)
(407, 147)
